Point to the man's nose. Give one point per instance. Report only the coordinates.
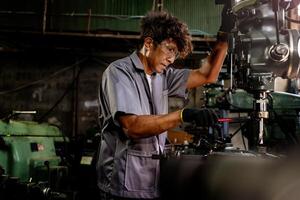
(171, 59)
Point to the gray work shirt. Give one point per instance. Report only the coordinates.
(125, 166)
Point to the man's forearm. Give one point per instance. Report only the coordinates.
(217, 56)
(209, 69)
(141, 126)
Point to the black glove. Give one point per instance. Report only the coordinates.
(227, 21)
(202, 117)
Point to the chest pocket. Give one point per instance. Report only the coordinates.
(164, 100)
(161, 102)
(141, 171)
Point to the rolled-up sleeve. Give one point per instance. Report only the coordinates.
(120, 91)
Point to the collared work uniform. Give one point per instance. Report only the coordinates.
(125, 166)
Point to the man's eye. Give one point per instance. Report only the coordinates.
(172, 50)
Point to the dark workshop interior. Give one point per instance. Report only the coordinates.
(53, 54)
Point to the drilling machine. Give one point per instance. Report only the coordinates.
(261, 49)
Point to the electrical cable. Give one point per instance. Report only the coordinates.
(236, 131)
(100, 61)
(243, 138)
(62, 96)
(42, 80)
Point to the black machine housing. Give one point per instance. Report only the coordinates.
(262, 47)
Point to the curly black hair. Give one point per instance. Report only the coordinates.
(161, 25)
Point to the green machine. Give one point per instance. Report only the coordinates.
(28, 152)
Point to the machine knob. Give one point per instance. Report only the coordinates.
(279, 52)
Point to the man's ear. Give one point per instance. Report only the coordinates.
(148, 42)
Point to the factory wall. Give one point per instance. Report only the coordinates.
(43, 67)
(202, 16)
(61, 88)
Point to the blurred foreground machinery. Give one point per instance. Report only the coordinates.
(230, 176)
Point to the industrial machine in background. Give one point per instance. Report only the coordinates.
(31, 167)
(38, 162)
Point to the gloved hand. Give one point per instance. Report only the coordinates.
(202, 117)
(227, 21)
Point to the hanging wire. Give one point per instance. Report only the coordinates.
(62, 96)
(27, 85)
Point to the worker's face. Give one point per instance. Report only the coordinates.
(162, 55)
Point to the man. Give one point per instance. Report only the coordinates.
(134, 106)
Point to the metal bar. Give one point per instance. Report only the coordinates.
(89, 21)
(102, 35)
(121, 17)
(44, 23)
(18, 12)
(158, 5)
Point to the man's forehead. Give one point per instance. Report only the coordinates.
(170, 41)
